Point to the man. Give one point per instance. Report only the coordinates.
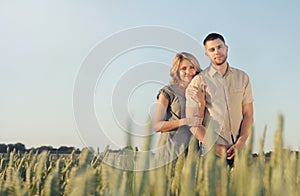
(229, 102)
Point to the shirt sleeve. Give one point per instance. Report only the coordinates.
(164, 93)
(192, 108)
(248, 92)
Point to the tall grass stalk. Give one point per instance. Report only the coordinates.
(95, 174)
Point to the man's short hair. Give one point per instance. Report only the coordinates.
(213, 36)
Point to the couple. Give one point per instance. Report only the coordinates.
(217, 100)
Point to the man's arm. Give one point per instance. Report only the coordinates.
(195, 106)
(197, 131)
(247, 122)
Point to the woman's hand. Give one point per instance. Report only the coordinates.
(193, 121)
(220, 149)
(198, 95)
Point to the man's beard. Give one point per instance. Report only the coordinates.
(222, 62)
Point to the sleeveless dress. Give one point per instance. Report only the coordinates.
(170, 143)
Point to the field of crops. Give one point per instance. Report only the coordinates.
(89, 173)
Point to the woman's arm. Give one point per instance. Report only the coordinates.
(161, 125)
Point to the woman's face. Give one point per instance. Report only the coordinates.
(186, 72)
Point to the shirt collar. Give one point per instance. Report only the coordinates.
(212, 71)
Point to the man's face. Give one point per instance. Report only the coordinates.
(216, 50)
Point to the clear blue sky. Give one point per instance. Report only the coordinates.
(44, 44)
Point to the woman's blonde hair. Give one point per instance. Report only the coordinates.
(174, 73)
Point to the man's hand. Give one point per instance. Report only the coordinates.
(230, 153)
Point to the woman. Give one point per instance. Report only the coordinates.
(170, 117)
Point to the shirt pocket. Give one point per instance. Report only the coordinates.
(236, 90)
(236, 95)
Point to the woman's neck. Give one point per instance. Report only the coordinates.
(183, 85)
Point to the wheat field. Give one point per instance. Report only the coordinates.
(89, 174)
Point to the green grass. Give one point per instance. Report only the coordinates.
(89, 173)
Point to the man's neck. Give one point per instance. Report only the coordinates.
(221, 68)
